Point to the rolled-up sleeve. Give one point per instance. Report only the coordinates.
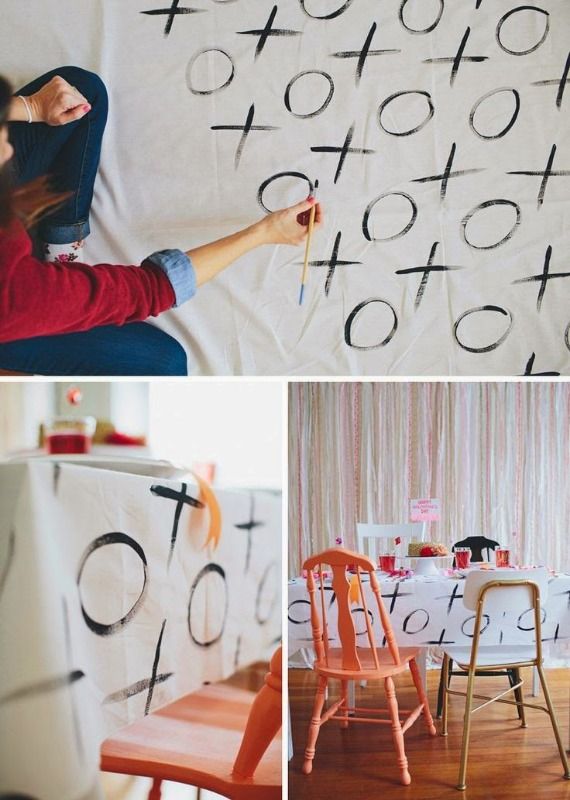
(179, 271)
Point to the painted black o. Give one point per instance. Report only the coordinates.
(115, 537)
(202, 574)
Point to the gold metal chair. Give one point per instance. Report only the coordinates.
(486, 592)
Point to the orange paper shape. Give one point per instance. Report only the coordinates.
(354, 592)
(210, 500)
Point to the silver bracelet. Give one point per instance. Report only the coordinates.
(28, 109)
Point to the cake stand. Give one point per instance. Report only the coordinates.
(429, 565)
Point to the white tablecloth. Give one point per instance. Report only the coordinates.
(426, 612)
(438, 133)
(110, 606)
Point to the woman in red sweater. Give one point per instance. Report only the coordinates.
(59, 316)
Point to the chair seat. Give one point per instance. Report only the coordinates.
(195, 740)
(368, 669)
(497, 655)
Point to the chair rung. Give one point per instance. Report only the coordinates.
(412, 717)
(479, 673)
(378, 710)
(330, 711)
(369, 710)
(498, 700)
(364, 719)
(481, 669)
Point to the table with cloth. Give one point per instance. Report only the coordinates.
(114, 600)
(428, 612)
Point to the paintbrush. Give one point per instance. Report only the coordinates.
(308, 244)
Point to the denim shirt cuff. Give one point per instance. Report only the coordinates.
(179, 271)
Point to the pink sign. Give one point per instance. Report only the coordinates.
(426, 510)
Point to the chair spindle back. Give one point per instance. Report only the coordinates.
(339, 559)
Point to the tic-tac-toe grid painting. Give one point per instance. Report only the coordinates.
(438, 131)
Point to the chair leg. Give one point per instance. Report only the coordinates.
(417, 678)
(519, 696)
(344, 695)
(450, 671)
(466, 730)
(315, 725)
(439, 695)
(155, 792)
(445, 698)
(397, 734)
(553, 721)
(440, 691)
(512, 680)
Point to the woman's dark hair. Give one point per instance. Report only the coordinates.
(6, 200)
(34, 199)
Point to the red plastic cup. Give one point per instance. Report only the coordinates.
(387, 562)
(69, 435)
(68, 443)
(502, 557)
(462, 557)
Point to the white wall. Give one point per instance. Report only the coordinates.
(237, 425)
(23, 405)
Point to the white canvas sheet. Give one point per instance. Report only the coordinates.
(169, 178)
(110, 606)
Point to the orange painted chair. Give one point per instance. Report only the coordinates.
(200, 740)
(352, 662)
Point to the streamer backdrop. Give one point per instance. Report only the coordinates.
(496, 454)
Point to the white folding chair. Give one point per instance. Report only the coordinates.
(374, 539)
(493, 593)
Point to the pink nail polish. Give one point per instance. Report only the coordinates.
(310, 199)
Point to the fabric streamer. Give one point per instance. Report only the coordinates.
(520, 484)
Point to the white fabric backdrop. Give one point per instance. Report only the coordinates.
(497, 455)
(168, 179)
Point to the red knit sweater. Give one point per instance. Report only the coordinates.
(39, 298)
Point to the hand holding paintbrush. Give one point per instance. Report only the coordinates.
(289, 225)
(309, 218)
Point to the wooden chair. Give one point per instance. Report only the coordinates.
(494, 593)
(481, 549)
(370, 535)
(350, 663)
(196, 740)
(373, 537)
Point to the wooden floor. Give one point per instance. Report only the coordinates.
(505, 761)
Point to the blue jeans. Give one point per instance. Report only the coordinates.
(70, 153)
(134, 349)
